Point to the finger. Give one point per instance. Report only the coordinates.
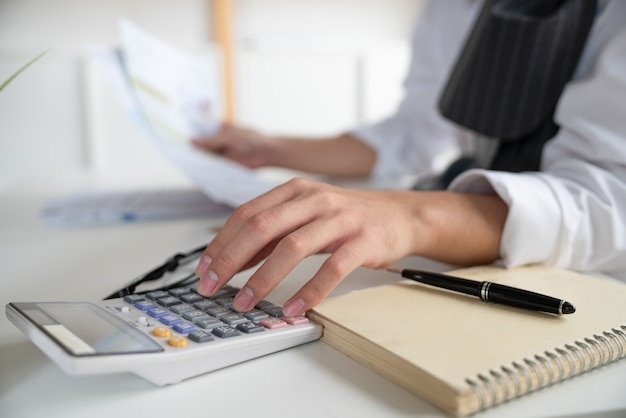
(247, 233)
(331, 273)
(287, 254)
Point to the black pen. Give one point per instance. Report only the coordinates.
(491, 292)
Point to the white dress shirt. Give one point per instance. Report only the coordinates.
(572, 213)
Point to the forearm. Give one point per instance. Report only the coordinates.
(342, 156)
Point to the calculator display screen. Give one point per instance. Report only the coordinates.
(101, 332)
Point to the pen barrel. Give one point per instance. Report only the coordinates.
(511, 296)
(456, 284)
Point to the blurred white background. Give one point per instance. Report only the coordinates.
(301, 67)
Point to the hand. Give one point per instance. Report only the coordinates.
(357, 227)
(247, 147)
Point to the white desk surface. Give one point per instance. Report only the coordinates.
(314, 380)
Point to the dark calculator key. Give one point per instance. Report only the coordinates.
(233, 319)
(191, 298)
(183, 307)
(209, 323)
(157, 294)
(218, 311)
(264, 304)
(200, 336)
(177, 292)
(225, 331)
(132, 299)
(195, 315)
(275, 311)
(205, 304)
(256, 315)
(169, 301)
(250, 327)
(225, 302)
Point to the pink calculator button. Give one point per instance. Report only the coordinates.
(273, 323)
(296, 320)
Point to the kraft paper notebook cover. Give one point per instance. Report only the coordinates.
(465, 355)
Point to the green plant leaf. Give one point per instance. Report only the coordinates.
(25, 66)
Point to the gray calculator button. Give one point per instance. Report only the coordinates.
(191, 298)
(225, 302)
(132, 299)
(157, 294)
(275, 311)
(179, 309)
(169, 301)
(250, 327)
(205, 304)
(177, 292)
(195, 315)
(209, 323)
(218, 311)
(256, 315)
(233, 319)
(225, 331)
(200, 336)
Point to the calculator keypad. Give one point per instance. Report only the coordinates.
(183, 315)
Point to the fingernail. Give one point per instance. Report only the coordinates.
(208, 283)
(243, 300)
(294, 307)
(203, 265)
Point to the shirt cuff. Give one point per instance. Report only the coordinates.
(533, 224)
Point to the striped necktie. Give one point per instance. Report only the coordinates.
(509, 76)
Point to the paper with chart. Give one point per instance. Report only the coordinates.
(177, 97)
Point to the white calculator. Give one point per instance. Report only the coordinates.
(162, 336)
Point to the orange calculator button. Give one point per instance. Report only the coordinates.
(177, 341)
(162, 332)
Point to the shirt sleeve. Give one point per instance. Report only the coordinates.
(416, 139)
(572, 213)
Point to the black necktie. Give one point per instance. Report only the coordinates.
(509, 76)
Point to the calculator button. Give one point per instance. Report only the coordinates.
(191, 298)
(169, 301)
(195, 315)
(179, 291)
(250, 327)
(205, 304)
(162, 332)
(170, 319)
(179, 309)
(184, 327)
(256, 315)
(233, 319)
(200, 336)
(157, 294)
(209, 323)
(177, 341)
(225, 302)
(144, 305)
(218, 311)
(273, 323)
(157, 312)
(264, 304)
(132, 299)
(225, 331)
(296, 320)
(275, 311)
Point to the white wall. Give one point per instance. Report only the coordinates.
(302, 67)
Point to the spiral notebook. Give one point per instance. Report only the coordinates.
(464, 355)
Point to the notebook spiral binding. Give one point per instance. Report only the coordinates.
(562, 363)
